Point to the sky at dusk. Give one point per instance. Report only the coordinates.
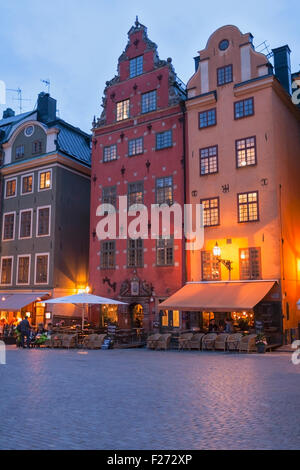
(76, 44)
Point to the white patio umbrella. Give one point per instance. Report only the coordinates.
(83, 299)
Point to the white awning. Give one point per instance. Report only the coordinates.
(14, 302)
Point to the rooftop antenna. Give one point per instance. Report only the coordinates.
(47, 83)
(19, 98)
(264, 49)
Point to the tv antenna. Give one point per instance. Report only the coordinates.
(264, 49)
(19, 98)
(47, 83)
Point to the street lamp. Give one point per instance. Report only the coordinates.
(226, 262)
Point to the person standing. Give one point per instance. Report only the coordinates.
(24, 328)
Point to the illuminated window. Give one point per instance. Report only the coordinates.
(210, 211)
(250, 263)
(27, 184)
(245, 152)
(136, 66)
(6, 270)
(211, 268)
(149, 101)
(122, 110)
(207, 118)
(135, 146)
(243, 108)
(224, 75)
(164, 190)
(45, 180)
(110, 153)
(135, 193)
(248, 207)
(209, 160)
(10, 188)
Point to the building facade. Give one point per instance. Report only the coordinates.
(45, 181)
(138, 152)
(243, 167)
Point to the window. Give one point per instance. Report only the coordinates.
(41, 268)
(20, 151)
(108, 254)
(243, 108)
(135, 146)
(245, 152)
(37, 146)
(209, 160)
(27, 184)
(135, 251)
(210, 211)
(8, 226)
(164, 140)
(43, 221)
(6, 270)
(135, 193)
(23, 269)
(25, 230)
(149, 101)
(110, 153)
(136, 66)
(10, 188)
(45, 180)
(122, 110)
(250, 263)
(211, 268)
(207, 118)
(109, 195)
(164, 190)
(224, 75)
(165, 251)
(248, 207)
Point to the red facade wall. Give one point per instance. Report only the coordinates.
(156, 283)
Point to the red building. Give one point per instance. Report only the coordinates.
(138, 152)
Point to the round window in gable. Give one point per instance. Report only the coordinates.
(223, 45)
(29, 130)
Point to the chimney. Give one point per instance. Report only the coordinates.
(7, 113)
(282, 65)
(196, 60)
(46, 107)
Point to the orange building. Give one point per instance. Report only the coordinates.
(244, 167)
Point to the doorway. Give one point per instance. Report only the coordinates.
(137, 315)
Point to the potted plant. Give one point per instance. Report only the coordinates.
(261, 343)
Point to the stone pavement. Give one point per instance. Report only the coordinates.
(139, 399)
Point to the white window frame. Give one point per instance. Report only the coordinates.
(24, 176)
(6, 181)
(35, 261)
(12, 270)
(31, 225)
(29, 269)
(39, 176)
(3, 226)
(37, 221)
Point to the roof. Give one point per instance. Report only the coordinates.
(7, 124)
(73, 141)
(218, 296)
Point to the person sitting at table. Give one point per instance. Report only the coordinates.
(213, 328)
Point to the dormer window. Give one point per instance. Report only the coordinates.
(20, 151)
(136, 66)
(122, 110)
(37, 146)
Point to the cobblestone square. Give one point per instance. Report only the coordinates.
(140, 399)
